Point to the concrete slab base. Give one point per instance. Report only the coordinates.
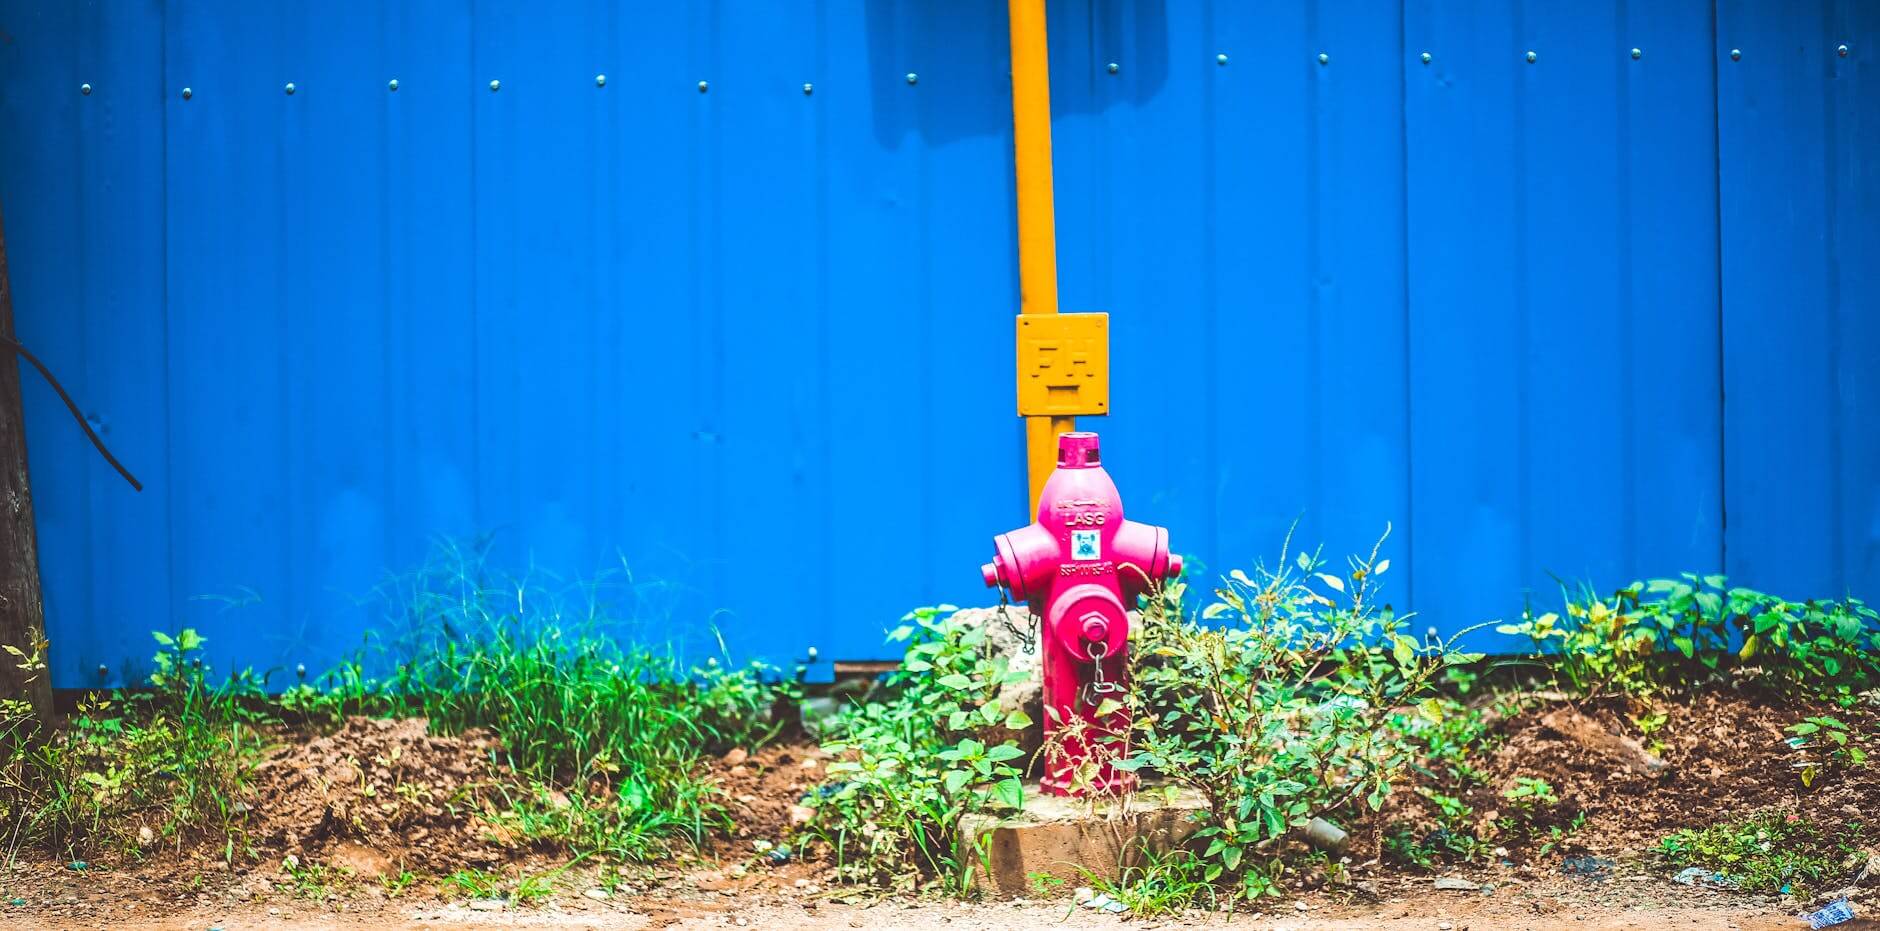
(1073, 839)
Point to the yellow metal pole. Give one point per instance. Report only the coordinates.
(1037, 223)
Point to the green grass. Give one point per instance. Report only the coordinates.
(138, 770)
(1163, 884)
(606, 739)
(1769, 851)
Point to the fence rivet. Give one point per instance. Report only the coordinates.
(1531, 57)
(300, 670)
(600, 80)
(808, 88)
(704, 86)
(1637, 54)
(1221, 59)
(1114, 67)
(392, 85)
(85, 89)
(289, 89)
(1324, 59)
(187, 93)
(811, 654)
(1842, 51)
(913, 78)
(1426, 57)
(103, 670)
(495, 86)
(1736, 54)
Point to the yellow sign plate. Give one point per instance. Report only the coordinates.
(1063, 364)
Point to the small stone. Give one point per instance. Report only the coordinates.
(800, 814)
(1455, 884)
(598, 895)
(1444, 926)
(1302, 906)
(809, 763)
(488, 905)
(145, 835)
(736, 756)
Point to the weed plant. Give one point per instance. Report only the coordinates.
(137, 770)
(1769, 851)
(608, 737)
(606, 740)
(911, 766)
(1276, 703)
(1676, 633)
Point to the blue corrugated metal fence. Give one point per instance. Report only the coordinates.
(737, 315)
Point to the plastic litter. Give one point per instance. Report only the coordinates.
(1698, 876)
(1829, 915)
(1325, 835)
(779, 854)
(1589, 867)
(78, 865)
(1103, 903)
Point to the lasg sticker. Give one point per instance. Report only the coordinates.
(1085, 544)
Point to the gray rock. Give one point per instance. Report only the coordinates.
(1006, 635)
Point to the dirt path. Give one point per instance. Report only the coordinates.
(1624, 901)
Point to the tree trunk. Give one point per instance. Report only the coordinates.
(22, 615)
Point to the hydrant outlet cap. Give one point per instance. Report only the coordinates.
(1174, 565)
(991, 573)
(1077, 451)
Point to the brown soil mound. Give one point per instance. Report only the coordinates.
(1723, 755)
(376, 796)
(762, 791)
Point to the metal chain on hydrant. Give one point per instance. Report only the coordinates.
(1027, 635)
(1098, 686)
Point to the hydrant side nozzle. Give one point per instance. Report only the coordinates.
(991, 573)
(1174, 565)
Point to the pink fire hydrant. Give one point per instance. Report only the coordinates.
(1081, 567)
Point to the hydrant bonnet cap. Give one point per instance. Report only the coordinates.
(1077, 451)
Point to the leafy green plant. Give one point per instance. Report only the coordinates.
(1529, 793)
(1275, 703)
(1669, 633)
(909, 767)
(174, 762)
(1769, 851)
(1843, 747)
(1452, 840)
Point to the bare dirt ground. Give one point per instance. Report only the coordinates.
(120, 901)
(377, 798)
